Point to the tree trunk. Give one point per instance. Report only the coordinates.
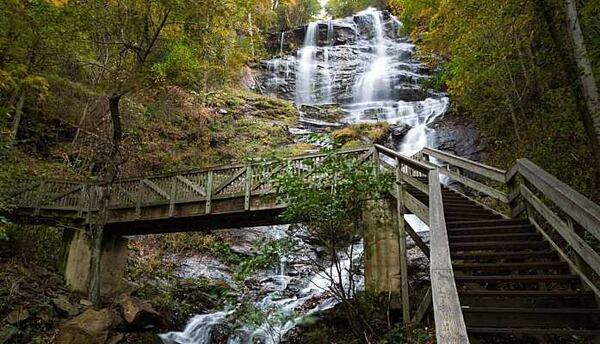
(18, 114)
(591, 119)
(97, 227)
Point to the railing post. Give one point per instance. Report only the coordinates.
(248, 187)
(138, 204)
(209, 191)
(402, 244)
(513, 191)
(39, 198)
(81, 204)
(172, 196)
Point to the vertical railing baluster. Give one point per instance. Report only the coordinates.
(138, 204)
(39, 198)
(209, 191)
(82, 200)
(248, 187)
(173, 196)
(402, 244)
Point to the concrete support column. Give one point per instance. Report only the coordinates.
(382, 249)
(76, 256)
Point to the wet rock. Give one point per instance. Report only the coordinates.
(399, 130)
(243, 241)
(86, 303)
(140, 314)
(203, 266)
(91, 327)
(18, 315)
(458, 136)
(64, 306)
(324, 112)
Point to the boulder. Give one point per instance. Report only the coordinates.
(18, 315)
(399, 130)
(90, 327)
(140, 314)
(64, 306)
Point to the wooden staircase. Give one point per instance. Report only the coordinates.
(509, 280)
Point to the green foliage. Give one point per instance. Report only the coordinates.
(330, 200)
(268, 254)
(345, 8)
(293, 13)
(508, 68)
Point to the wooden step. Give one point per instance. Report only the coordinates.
(526, 298)
(497, 245)
(494, 237)
(453, 217)
(517, 278)
(505, 255)
(531, 317)
(492, 230)
(532, 331)
(509, 266)
(485, 223)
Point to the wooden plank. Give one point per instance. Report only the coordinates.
(412, 163)
(248, 188)
(575, 241)
(499, 195)
(423, 307)
(574, 268)
(449, 322)
(156, 188)
(229, 180)
(424, 188)
(81, 205)
(65, 193)
(417, 239)
(402, 244)
(416, 207)
(127, 194)
(581, 209)
(268, 177)
(209, 192)
(196, 188)
(173, 196)
(469, 165)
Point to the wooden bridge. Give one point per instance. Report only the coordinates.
(511, 252)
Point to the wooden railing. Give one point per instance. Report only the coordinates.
(555, 209)
(560, 213)
(205, 185)
(450, 325)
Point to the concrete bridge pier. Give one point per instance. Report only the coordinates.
(76, 257)
(382, 246)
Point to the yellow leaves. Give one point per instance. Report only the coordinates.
(59, 3)
(38, 84)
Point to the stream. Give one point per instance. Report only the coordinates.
(362, 64)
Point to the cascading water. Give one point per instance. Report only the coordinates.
(367, 68)
(307, 67)
(278, 282)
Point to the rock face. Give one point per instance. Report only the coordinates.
(139, 314)
(398, 131)
(458, 136)
(91, 327)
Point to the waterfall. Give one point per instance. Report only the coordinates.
(281, 43)
(306, 66)
(371, 85)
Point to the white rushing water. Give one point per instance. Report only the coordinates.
(364, 65)
(282, 312)
(307, 67)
